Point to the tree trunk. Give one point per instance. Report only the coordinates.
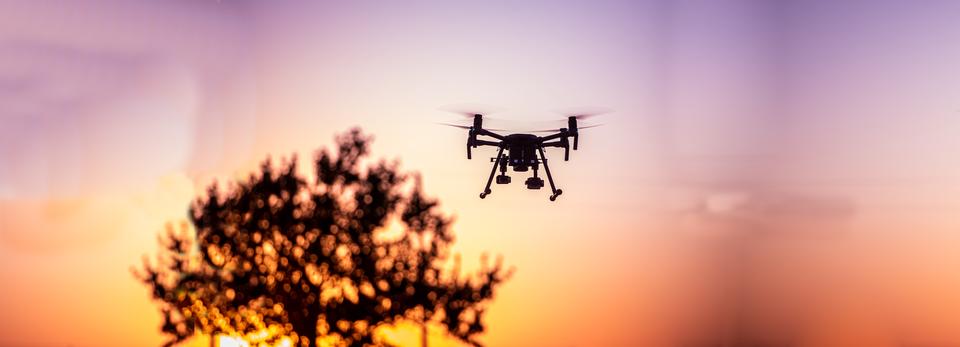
(423, 334)
(310, 334)
(304, 323)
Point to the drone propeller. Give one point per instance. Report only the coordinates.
(455, 125)
(470, 110)
(468, 127)
(556, 130)
(584, 112)
(575, 114)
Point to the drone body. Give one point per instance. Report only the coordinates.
(524, 152)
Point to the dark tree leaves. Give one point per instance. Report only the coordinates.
(333, 257)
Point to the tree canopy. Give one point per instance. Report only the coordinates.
(321, 259)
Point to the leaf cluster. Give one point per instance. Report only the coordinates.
(324, 259)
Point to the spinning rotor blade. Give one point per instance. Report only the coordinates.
(456, 125)
(584, 112)
(558, 130)
(468, 127)
(469, 110)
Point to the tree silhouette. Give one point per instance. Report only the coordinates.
(329, 261)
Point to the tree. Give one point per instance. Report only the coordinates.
(330, 258)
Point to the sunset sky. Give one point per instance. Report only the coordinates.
(775, 173)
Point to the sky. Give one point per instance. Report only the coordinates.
(774, 173)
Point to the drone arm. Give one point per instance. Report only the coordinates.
(562, 143)
(560, 134)
(490, 133)
(486, 143)
(472, 142)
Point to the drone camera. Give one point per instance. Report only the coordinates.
(534, 183)
(503, 179)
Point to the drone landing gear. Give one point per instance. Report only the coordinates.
(532, 182)
(556, 192)
(499, 161)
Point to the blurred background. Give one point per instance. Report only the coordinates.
(777, 173)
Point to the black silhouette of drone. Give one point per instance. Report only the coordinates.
(522, 151)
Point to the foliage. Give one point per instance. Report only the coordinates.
(332, 258)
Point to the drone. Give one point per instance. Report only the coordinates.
(524, 151)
